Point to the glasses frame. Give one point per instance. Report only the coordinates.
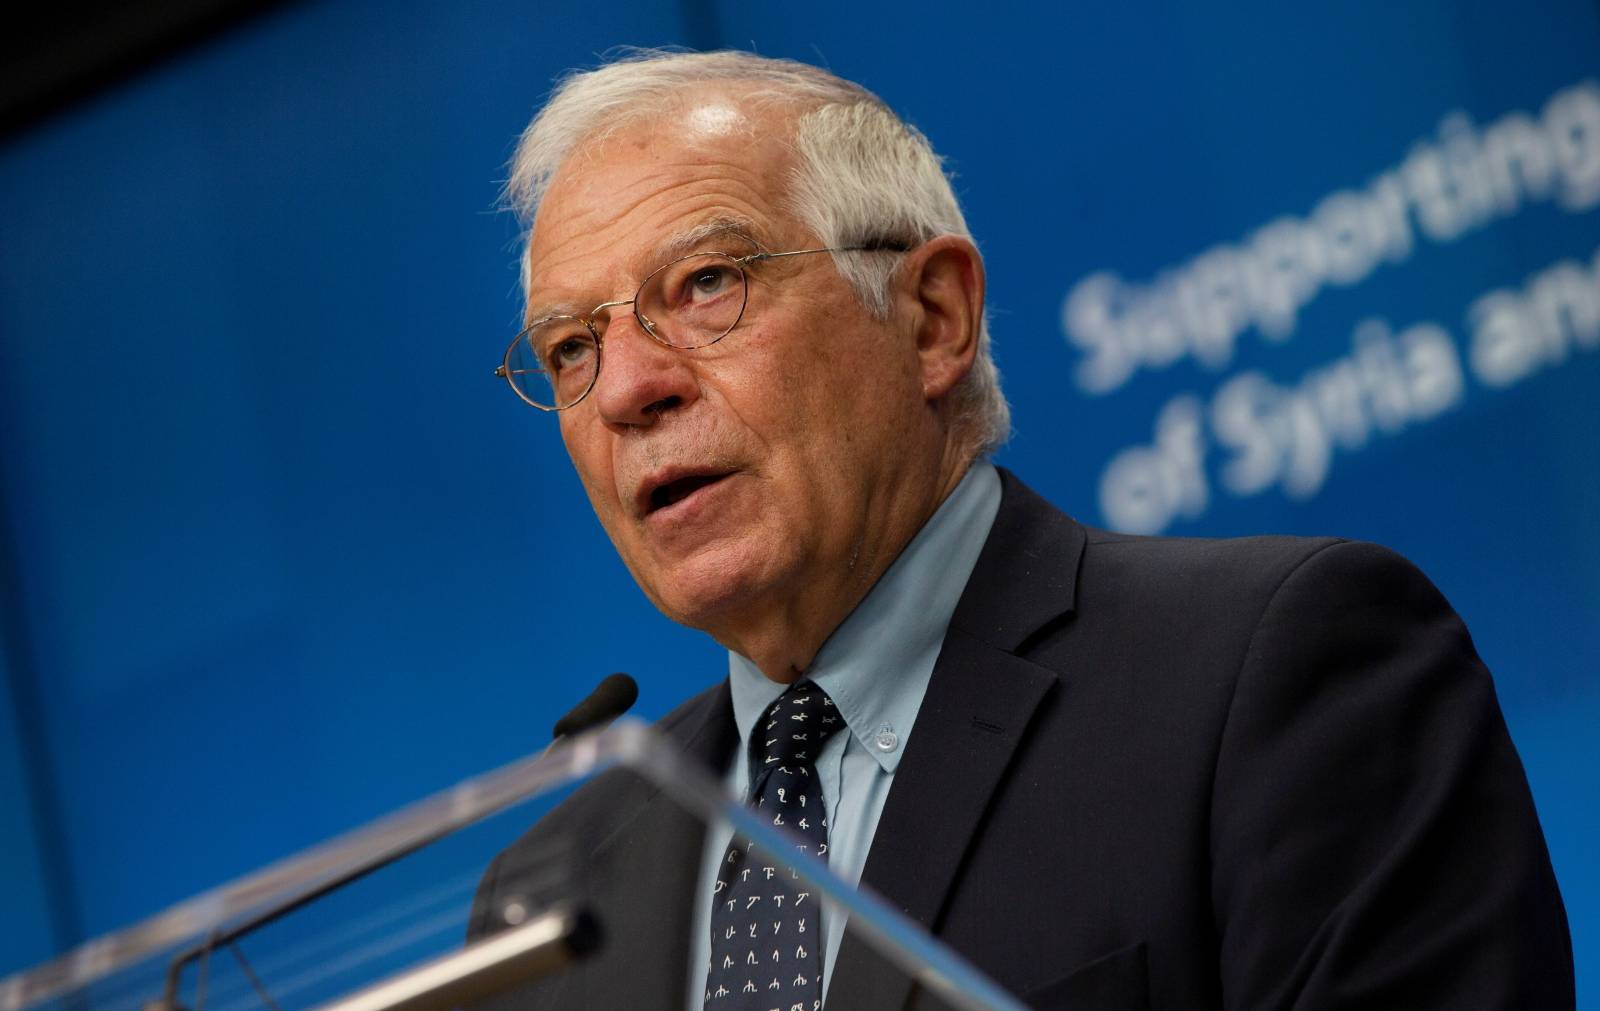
(505, 371)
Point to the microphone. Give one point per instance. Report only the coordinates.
(611, 698)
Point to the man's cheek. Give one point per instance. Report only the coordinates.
(598, 480)
(605, 502)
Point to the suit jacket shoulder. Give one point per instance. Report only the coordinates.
(1201, 773)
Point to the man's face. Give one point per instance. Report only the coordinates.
(758, 474)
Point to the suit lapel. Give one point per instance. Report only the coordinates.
(980, 702)
(973, 718)
(703, 727)
(707, 731)
(650, 867)
(1026, 578)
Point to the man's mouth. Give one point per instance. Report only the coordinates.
(672, 492)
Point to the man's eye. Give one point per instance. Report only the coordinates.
(707, 282)
(568, 353)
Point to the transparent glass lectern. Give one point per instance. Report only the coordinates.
(567, 880)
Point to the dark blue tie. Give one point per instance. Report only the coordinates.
(766, 936)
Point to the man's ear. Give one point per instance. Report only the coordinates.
(944, 279)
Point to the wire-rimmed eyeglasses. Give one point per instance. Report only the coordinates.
(687, 303)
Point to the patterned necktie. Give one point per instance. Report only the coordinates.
(766, 941)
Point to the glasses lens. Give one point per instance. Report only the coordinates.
(693, 301)
(553, 363)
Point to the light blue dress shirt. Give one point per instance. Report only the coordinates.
(876, 668)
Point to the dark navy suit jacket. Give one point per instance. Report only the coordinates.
(1150, 772)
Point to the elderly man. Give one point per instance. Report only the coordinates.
(1111, 771)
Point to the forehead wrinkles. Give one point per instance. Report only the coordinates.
(630, 234)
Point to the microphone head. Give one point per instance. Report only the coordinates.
(611, 698)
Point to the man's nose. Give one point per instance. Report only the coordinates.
(640, 378)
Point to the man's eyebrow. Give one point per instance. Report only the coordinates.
(537, 311)
(716, 228)
(738, 230)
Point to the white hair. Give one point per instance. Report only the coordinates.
(862, 175)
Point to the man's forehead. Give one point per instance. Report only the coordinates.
(644, 191)
(715, 128)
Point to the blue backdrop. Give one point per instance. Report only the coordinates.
(276, 551)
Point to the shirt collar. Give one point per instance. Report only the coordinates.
(877, 663)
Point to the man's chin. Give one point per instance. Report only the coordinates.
(708, 597)
(712, 612)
